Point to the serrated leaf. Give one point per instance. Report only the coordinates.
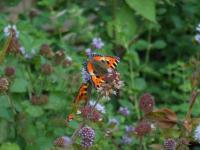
(146, 8)
(19, 86)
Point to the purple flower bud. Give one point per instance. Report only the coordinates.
(97, 43)
(85, 75)
(124, 111)
(169, 144)
(197, 38)
(129, 129)
(126, 140)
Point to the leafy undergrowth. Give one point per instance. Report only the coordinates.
(99, 75)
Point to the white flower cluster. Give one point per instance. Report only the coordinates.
(8, 29)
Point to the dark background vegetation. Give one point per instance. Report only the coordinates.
(154, 40)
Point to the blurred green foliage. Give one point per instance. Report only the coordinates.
(154, 40)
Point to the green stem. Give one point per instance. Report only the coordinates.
(135, 96)
(148, 48)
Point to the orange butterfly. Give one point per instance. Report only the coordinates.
(82, 93)
(98, 66)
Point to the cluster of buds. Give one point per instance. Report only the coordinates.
(4, 84)
(111, 85)
(126, 139)
(146, 103)
(9, 71)
(87, 135)
(62, 141)
(169, 144)
(88, 112)
(46, 69)
(142, 128)
(46, 51)
(39, 100)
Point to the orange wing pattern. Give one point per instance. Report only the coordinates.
(97, 81)
(82, 93)
(109, 61)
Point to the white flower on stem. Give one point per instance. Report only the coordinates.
(198, 28)
(197, 38)
(197, 134)
(10, 28)
(22, 50)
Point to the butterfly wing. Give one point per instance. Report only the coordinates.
(82, 93)
(107, 61)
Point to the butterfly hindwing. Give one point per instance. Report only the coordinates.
(82, 93)
(97, 80)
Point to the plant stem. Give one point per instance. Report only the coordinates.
(148, 48)
(140, 145)
(5, 47)
(193, 97)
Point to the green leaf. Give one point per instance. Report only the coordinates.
(4, 102)
(122, 27)
(9, 146)
(55, 102)
(19, 86)
(33, 111)
(146, 8)
(5, 113)
(159, 44)
(139, 84)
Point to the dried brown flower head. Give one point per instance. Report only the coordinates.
(62, 141)
(142, 128)
(146, 103)
(4, 84)
(59, 57)
(39, 100)
(46, 69)
(46, 51)
(9, 71)
(88, 112)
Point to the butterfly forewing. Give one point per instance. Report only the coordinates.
(107, 61)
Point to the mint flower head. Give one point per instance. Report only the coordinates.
(87, 135)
